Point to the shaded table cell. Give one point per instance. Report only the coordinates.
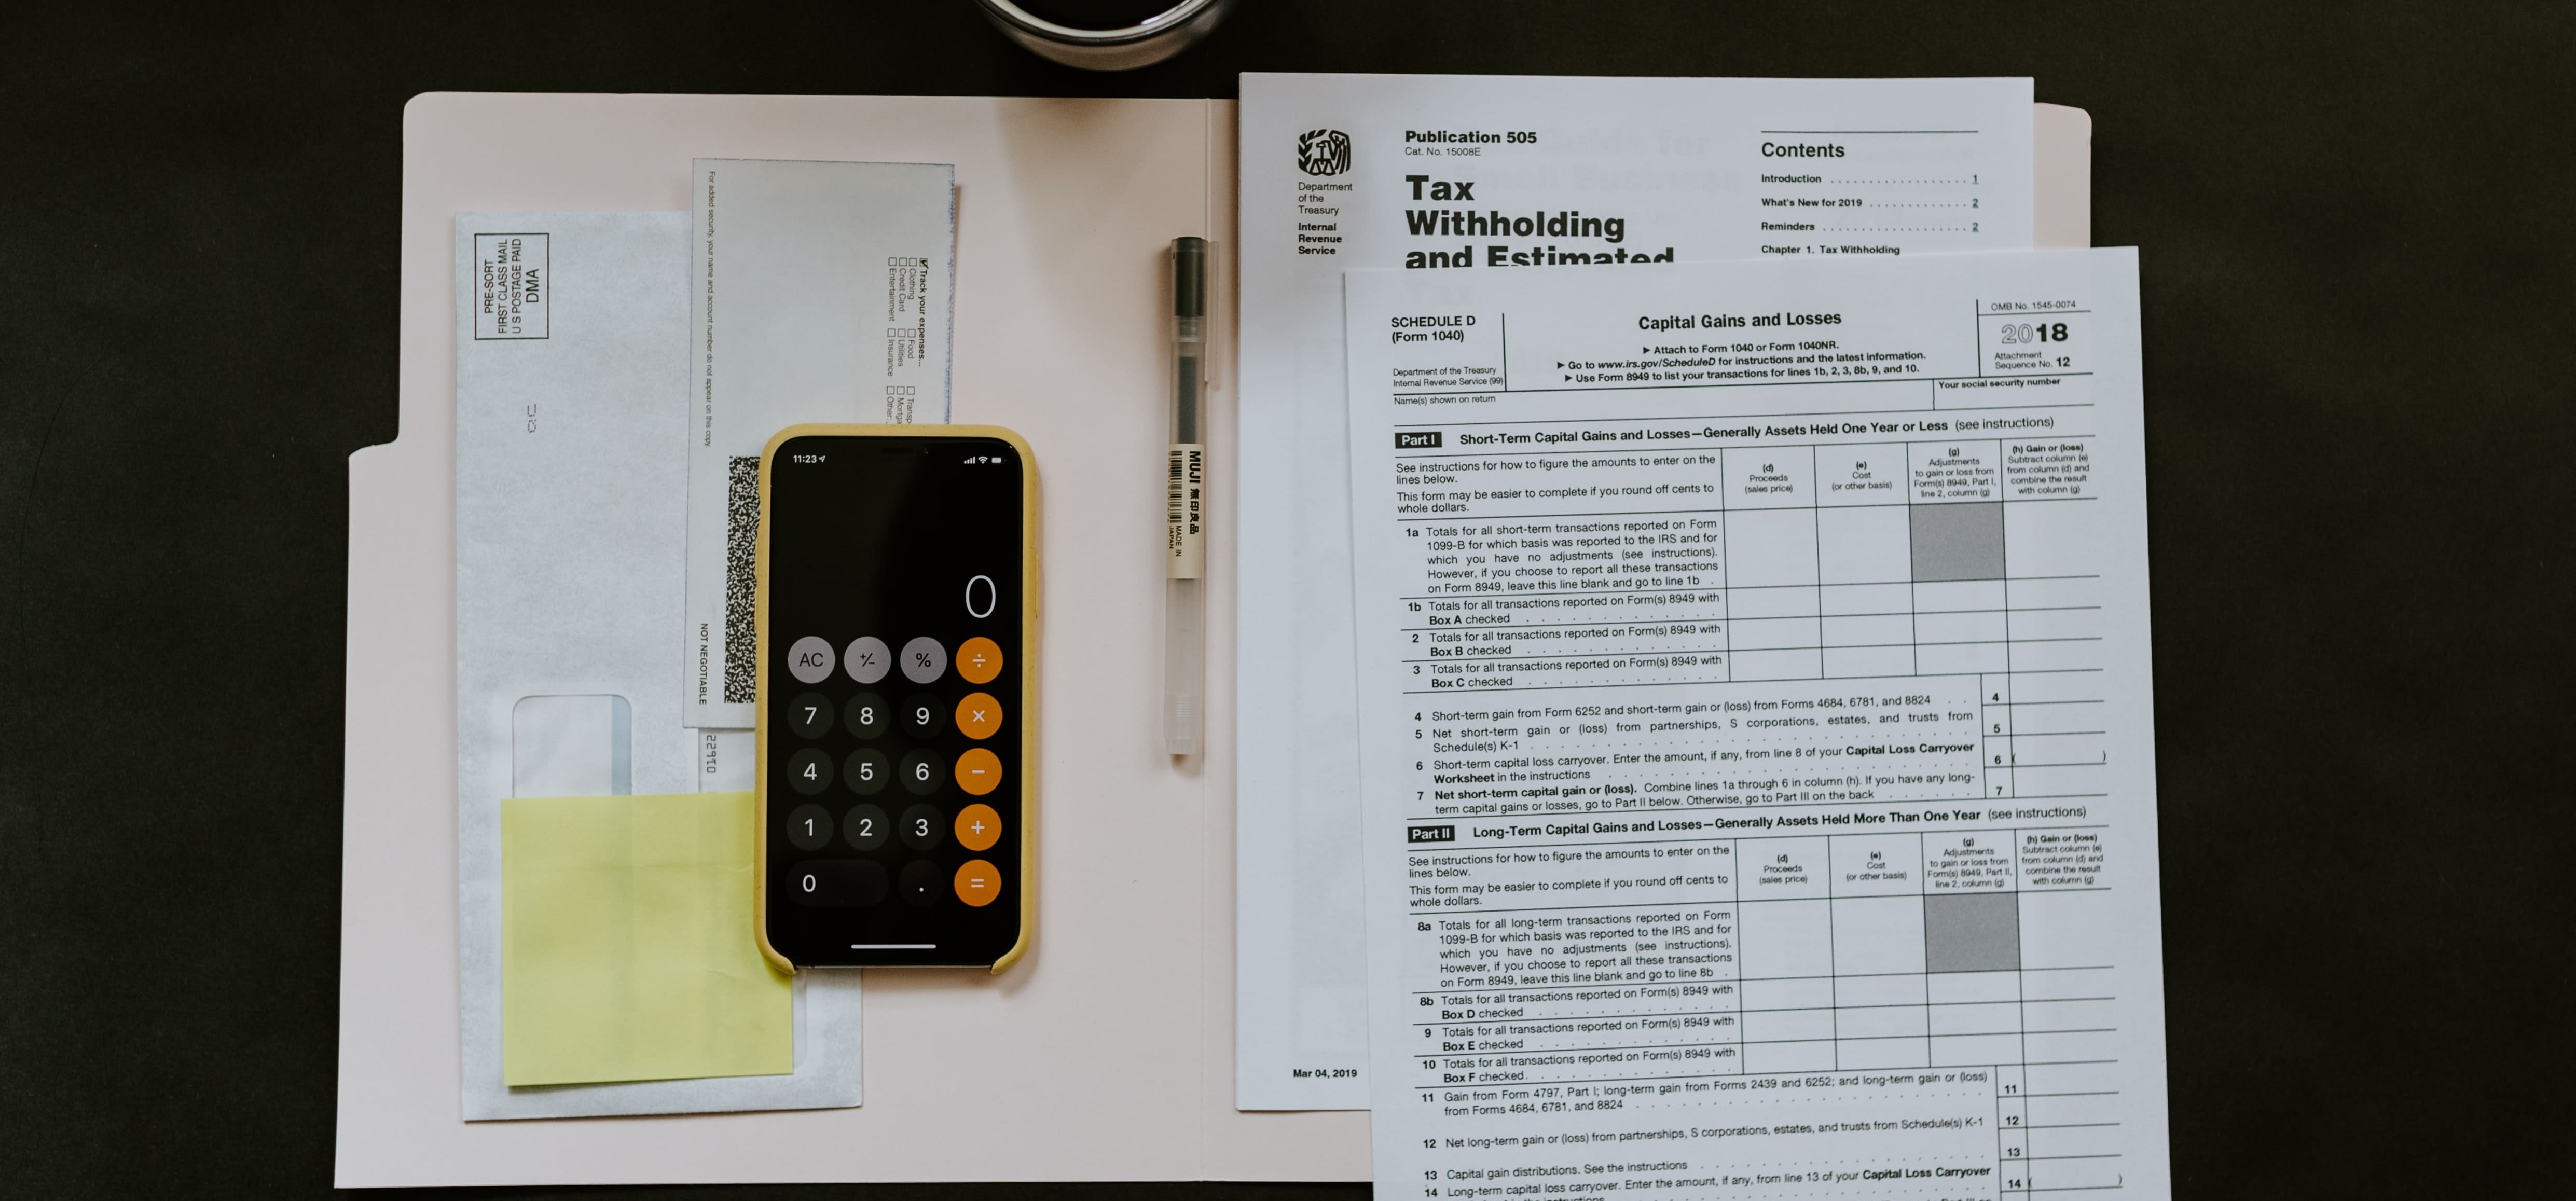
(1957, 542)
(1976, 932)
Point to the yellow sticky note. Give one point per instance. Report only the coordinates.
(626, 942)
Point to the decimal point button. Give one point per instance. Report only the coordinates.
(919, 883)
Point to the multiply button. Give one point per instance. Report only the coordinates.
(810, 660)
(924, 660)
(979, 660)
(978, 827)
(978, 883)
(979, 771)
(978, 715)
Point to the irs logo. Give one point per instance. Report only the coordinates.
(1323, 152)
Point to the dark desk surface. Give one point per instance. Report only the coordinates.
(2358, 302)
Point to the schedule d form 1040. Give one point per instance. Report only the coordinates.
(1757, 759)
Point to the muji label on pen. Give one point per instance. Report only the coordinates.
(1185, 511)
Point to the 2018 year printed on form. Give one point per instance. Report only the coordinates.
(1757, 759)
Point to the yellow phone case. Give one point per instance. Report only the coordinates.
(1030, 592)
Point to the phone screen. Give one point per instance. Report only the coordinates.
(894, 711)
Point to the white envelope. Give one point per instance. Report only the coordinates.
(818, 291)
(572, 397)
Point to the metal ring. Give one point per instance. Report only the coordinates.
(1143, 44)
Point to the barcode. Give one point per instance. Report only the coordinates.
(742, 532)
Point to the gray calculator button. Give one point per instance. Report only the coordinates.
(809, 660)
(924, 660)
(867, 659)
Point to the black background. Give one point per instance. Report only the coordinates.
(2357, 310)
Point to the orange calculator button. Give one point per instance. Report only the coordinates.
(979, 771)
(979, 661)
(979, 715)
(978, 883)
(978, 827)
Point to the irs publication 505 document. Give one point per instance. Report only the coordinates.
(1758, 771)
(1464, 177)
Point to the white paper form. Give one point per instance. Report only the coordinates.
(818, 291)
(1464, 177)
(572, 395)
(1758, 762)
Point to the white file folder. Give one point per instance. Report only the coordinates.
(1108, 1054)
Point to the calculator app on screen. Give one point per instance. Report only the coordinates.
(894, 716)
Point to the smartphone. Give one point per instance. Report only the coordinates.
(896, 583)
